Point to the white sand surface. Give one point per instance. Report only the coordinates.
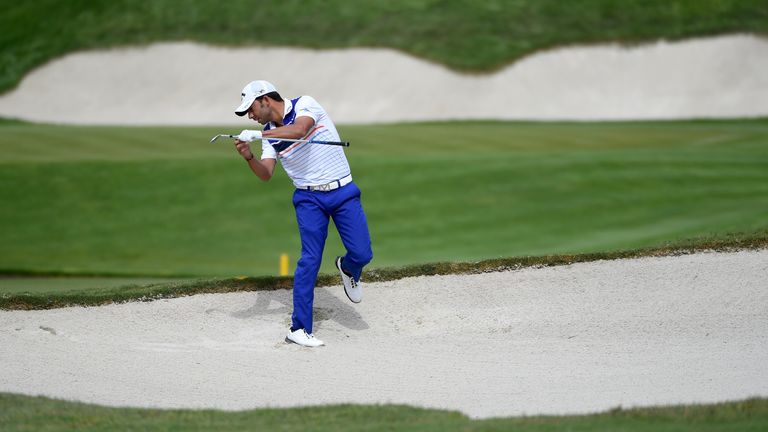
(192, 84)
(569, 339)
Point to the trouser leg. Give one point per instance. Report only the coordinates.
(352, 225)
(313, 229)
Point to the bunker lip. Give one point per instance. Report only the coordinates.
(576, 338)
(716, 77)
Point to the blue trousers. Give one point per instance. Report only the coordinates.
(313, 210)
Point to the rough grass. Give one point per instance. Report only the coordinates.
(462, 34)
(25, 413)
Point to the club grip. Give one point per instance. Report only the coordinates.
(336, 143)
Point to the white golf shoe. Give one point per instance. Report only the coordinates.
(301, 337)
(351, 287)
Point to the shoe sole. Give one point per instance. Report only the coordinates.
(350, 298)
(338, 266)
(305, 346)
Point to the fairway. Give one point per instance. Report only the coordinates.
(164, 202)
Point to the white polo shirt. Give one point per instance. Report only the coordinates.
(308, 164)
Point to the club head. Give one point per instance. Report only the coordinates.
(222, 135)
(217, 137)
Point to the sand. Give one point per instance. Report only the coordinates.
(571, 339)
(191, 84)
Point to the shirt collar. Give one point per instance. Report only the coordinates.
(288, 107)
(286, 110)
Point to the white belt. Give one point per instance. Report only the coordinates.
(329, 186)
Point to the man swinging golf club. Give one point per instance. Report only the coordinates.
(324, 189)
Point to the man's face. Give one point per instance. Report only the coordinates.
(260, 111)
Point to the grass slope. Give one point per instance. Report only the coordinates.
(164, 202)
(24, 413)
(57, 296)
(462, 34)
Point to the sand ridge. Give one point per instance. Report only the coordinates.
(191, 84)
(570, 339)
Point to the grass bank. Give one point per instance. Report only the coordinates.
(163, 202)
(24, 413)
(462, 34)
(53, 298)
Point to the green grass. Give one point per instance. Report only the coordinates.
(163, 202)
(462, 34)
(17, 284)
(24, 413)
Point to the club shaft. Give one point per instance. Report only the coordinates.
(338, 143)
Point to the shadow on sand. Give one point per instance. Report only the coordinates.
(327, 307)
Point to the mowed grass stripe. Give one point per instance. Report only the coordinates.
(25, 142)
(433, 192)
(558, 195)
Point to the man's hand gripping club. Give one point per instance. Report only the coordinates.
(262, 168)
(242, 143)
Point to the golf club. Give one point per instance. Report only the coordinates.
(336, 143)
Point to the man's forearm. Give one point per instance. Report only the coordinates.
(297, 130)
(261, 170)
(291, 132)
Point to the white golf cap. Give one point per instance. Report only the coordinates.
(251, 91)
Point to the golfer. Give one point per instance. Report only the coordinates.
(324, 189)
